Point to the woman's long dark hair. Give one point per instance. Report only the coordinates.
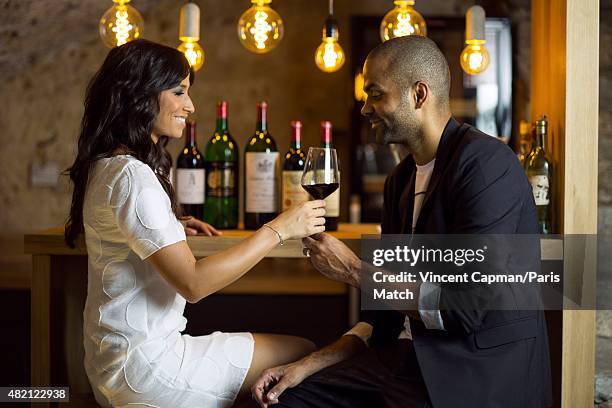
(121, 105)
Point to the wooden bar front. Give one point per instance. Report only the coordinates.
(59, 288)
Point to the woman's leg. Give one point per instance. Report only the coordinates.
(272, 350)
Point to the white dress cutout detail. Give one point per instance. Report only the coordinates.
(134, 352)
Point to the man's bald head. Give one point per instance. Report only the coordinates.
(407, 60)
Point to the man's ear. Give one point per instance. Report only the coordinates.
(421, 93)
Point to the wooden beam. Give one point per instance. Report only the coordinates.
(580, 190)
(565, 87)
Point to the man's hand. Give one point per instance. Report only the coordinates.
(274, 381)
(193, 226)
(332, 258)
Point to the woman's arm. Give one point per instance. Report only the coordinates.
(195, 280)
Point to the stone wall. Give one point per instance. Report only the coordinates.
(42, 101)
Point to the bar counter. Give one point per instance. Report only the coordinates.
(59, 286)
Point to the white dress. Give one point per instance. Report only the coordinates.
(135, 354)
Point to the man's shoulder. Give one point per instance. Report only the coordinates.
(477, 142)
(486, 151)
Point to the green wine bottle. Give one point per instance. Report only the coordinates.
(221, 160)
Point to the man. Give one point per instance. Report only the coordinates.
(456, 180)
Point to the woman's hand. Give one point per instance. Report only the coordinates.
(301, 220)
(193, 226)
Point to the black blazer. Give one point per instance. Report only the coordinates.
(488, 359)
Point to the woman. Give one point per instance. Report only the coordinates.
(141, 271)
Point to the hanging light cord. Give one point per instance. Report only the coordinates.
(331, 7)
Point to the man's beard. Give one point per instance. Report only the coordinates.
(408, 136)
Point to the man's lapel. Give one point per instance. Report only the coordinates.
(407, 201)
(443, 155)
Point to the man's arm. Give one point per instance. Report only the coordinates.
(274, 381)
(332, 258)
(489, 193)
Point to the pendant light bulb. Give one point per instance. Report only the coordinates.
(329, 56)
(260, 28)
(474, 58)
(120, 24)
(189, 35)
(401, 21)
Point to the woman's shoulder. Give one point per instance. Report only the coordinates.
(114, 168)
(120, 175)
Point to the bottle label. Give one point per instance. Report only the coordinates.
(539, 186)
(293, 193)
(261, 182)
(190, 186)
(332, 204)
(221, 179)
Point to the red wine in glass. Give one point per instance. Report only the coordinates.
(320, 177)
(321, 191)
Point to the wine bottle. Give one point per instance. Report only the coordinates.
(190, 175)
(221, 160)
(292, 192)
(332, 202)
(525, 136)
(539, 172)
(262, 162)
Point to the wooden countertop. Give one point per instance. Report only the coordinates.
(272, 276)
(284, 271)
(51, 242)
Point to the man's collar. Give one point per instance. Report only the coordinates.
(452, 126)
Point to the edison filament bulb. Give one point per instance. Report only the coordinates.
(260, 28)
(474, 58)
(401, 21)
(329, 56)
(189, 35)
(194, 53)
(120, 24)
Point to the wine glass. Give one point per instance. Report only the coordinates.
(320, 177)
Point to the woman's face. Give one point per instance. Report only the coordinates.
(174, 107)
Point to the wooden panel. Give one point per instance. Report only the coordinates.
(277, 276)
(40, 341)
(582, 117)
(70, 286)
(565, 86)
(580, 190)
(15, 266)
